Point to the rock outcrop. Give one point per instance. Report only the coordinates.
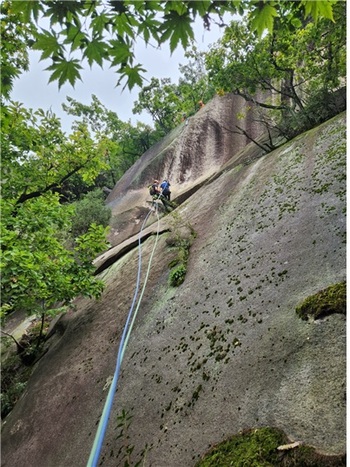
(225, 350)
(187, 156)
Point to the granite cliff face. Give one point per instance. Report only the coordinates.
(225, 350)
(191, 153)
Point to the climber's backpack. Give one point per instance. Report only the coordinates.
(165, 186)
(152, 190)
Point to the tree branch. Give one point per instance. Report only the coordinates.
(242, 132)
(36, 194)
(249, 98)
(16, 342)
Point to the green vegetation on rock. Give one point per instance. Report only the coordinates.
(17, 360)
(181, 239)
(14, 377)
(258, 448)
(177, 275)
(303, 92)
(325, 302)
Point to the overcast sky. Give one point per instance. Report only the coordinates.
(33, 90)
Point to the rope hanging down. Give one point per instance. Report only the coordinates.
(102, 427)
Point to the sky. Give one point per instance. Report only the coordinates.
(33, 90)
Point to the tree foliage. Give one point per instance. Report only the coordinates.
(14, 37)
(106, 32)
(194, 85)
(162, 101)
(169, 103)
(284, 71)
(38, 271)
(120, 142)
(41, 264)
(48, 245)
(38, 157)
(91, 209)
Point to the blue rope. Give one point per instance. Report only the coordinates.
(102, 427)
(143, 288)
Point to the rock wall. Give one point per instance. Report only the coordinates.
(194, 150)
(225, 350)
(190, 154)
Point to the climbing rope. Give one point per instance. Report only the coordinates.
(144, 285)
(102, 427)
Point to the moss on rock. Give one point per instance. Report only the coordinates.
(258, 448)
(181, 239)
(325, 302)
(177, 275)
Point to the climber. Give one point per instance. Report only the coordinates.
(165, 187)
(156, 194)
(201, 104)
(154, 189)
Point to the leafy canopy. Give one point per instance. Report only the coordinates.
(120, 142)
(38, 270)
(169, 103)
(42, 265)
(286, 72)
(106, 32)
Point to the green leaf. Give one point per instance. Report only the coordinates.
(95, 52)
(47, 42)
(65, 70)
(124, 25)
(153, 5)
(100, 23)
(75, 37)
(27, 9)
(149, 27)
(120, 52)
(201, 7)
(177, 28)
(179, 7)
(63, 12)
(297, 24)
(132, 75)
(263, 18)
(321, 8)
